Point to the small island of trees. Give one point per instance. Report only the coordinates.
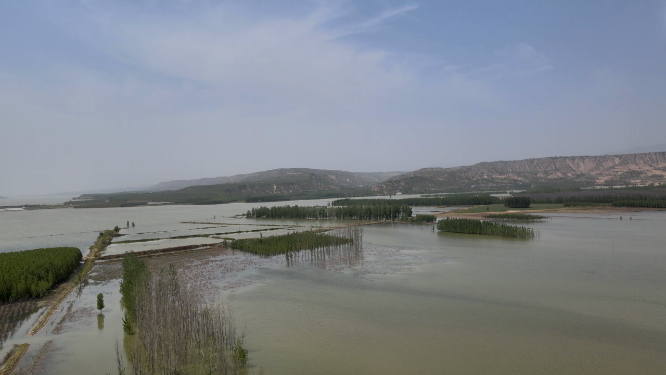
(309, 240)
(470, 226)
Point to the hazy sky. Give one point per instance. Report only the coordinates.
(102, 94)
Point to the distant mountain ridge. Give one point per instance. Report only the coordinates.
(319, 179)
(268, 186)
(626, 169)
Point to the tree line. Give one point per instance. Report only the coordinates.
(419, 219)
(599, 198)
(31, 273)
(377, 212)
(517, 202)
(515, 217)
(485, 227)
(453, 200)
(654, 203)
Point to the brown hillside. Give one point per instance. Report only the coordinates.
(628, 169)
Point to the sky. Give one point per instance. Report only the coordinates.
(107, 94)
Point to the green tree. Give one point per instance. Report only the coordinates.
(100, 302)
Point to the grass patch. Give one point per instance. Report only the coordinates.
(14, 358)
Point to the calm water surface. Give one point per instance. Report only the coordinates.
(587, 296)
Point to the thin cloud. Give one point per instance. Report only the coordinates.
(373, 22)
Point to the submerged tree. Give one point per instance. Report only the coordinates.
(100, 302)
(175, 332)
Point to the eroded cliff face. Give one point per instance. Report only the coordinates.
(628, 169)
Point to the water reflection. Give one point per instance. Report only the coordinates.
(100, 321)
(330, 257)
(12, 317)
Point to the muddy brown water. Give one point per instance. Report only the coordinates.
(588, 296)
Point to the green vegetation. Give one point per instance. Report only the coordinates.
(378, 212)
(175, 332)
(654, 203)
(31, 273)
(615, 198)
(310, 240)
(100, 302)
(135, 276)
(419, 219)
(585, 204)
(452, 200)
(517, 202)
(648, 196)
(502, 208)
(240, 354)
(516, 217)
(470, 226)
(13, 358)
(301, 188)
(103, 240)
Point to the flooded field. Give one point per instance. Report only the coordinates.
(588, 296)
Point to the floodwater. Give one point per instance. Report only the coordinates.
(587, 296)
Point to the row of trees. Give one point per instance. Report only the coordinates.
(515, 217)
(517, 202)
(378, 212)
(453, 200)
(419, 219)
(31, 273)
(470, 226)
(599, 198)
(643, 203)
(175, 332)
(310, 240)
(655, 203)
